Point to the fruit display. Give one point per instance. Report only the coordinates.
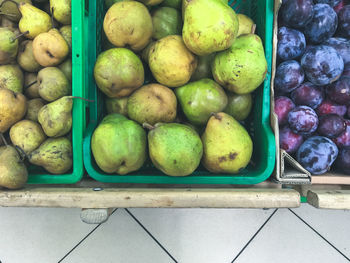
(178, 80)
(35, 89)
(312, 83)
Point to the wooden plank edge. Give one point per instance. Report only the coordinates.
(180, 198)
(329, 199)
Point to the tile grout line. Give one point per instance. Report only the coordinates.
(256, 233)
(149, 233)
(328, 242)
(81, 241)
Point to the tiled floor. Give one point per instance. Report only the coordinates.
(305, 234)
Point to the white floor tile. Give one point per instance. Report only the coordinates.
(120, 239)
(334, 225)
(202, 235)
(287, 239)
(39, 234)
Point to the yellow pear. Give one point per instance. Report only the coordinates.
(61, 10)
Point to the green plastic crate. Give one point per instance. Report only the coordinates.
(258, 125)
(38, 175)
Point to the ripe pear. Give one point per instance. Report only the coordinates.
(31, 86)
(239, 106)
(201, 98)
(174, 148)
(246, 25)
(53, 84)
(171, 63)
(56, 117)
(50, 48)
(166, 21)
(66, 68)
(33, 20)
(54, 155)
(117, 105)
(34, 107)
(11, 77)
(128, 24)
(209, 26)
(227, 145)
(27, 135)
(119, 145)
(8, 46)
(203, 70)
(118, 72)
(152, 103)
(25, 57)
(13, 172)
(13, 107)
(66, 32)
(61, 10)
(151, 2)
(243, 67)
(10, 9)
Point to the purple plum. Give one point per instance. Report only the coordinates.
(329, 107)
(308, 94)
(322, 64)
(331, 125)
(343, 139)
(342, 46)
(339, 91)
(332, 3)
(342, 163)
(344, 22)
(303, 120)
(290, 141)
(296, 14)
(291, 43)
(317, 154)
(283, 105)
(289, 75)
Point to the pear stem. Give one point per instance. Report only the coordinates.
(18, 36)
(3, 138)
(31, 84)
(14, 2)
(22, 154)
(80, 98)
(253, 29)
(148, 126)
(217, 116)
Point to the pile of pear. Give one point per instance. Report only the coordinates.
(178, 77)
(35, 88)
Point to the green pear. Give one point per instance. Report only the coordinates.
(239, 106)
(227, 145)
(66, 68)
(166, 21)
(203, 70)
(31, 85)
(25, 57)
(66, 32)
(246, 25)
(13, 172)
(119, 145)
(174, 148)
(117, 105)
(54, 155)
(172, 3)
(152, 103)
(34, 107)
(53, 84)
(27, 135)
(146, 51)
(118, 72)
(171, 63)
(128, 24)
(10, 9)
(61, 10)
(33, 20)
(11, 77)
(243, 67)
(8, 46)
(50, 48)
(151, 2)
(13, 107)
(209, 26)
(201, 98)
(56, 117)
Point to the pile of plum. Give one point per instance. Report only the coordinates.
(312, 83)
